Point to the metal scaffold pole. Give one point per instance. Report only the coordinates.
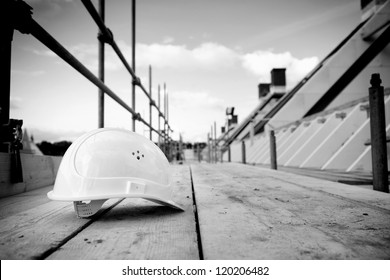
(168, 142)
(150, 103)
(273, 154)
(101, 68)
(10, 129)
(378, 135)
(133, 59)
(5, 70)
(159, 116)
(243, 152)
(165, 114)
(215, 143)
(212, 144)
(208, 148)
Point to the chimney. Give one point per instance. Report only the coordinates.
(263, 90)
(233, 120)
(278, 81)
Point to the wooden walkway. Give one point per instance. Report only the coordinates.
(356, 178)
(232, 211)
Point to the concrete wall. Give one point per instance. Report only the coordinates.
(38, 171)
(331, 71)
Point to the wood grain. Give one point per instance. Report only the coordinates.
(31, 229)
(138, 229)
(23, 202)
(246, 212)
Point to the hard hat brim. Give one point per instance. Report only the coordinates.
(154, 199)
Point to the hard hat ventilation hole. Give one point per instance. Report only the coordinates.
(138, 154)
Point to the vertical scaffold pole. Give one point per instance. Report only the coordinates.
(272, 145)
(150, 103)
(227, 139)
(211, 145)
(209, 148)
(167, 109)
(5, 59)
(133, 58)
(167, 112)
(5, 74)
(243, 152)
(168, 140)
(101, 68)
(159, 116)
(165, 118)
(378, 135)
(215, 143)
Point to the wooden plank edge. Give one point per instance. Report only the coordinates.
(94, 218)
(369, 197)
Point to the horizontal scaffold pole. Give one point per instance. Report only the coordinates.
(29, 25)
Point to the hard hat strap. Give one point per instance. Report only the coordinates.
(84, 210)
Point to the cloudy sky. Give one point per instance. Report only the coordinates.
(210, 53)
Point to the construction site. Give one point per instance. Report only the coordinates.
(303, 175)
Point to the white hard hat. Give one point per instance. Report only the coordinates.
(112, 163)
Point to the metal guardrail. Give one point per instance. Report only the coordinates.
(17, 15)
(20, 18)
(107, 37)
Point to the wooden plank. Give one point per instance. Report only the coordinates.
(32, 229)
(246, 212)
(138, 229)
(23, 202)
(351, 178)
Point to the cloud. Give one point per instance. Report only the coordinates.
(200, 99)
(194, 109)
(260, 63)
(205, 57)
(168, 40)
(214, 57)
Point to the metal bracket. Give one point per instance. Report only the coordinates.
(341, 115)
(321, 120)
(12, 134)
(20, 14)
(106, 38)
(136, 81)
(137, 116)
